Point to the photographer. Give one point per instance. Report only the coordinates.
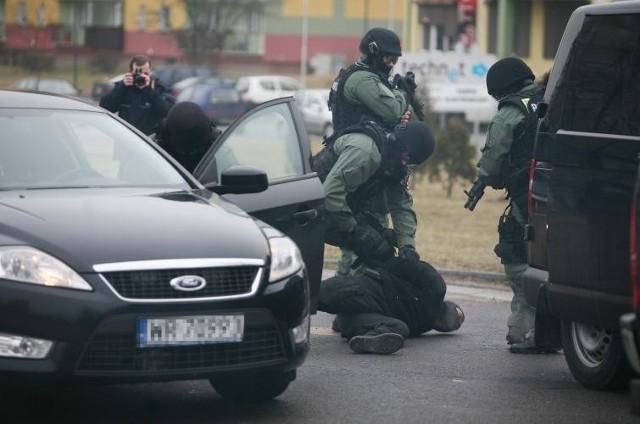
(139, 98)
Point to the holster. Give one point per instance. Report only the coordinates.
(511, 246)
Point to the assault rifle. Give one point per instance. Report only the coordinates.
(408, 85)
(474, 194)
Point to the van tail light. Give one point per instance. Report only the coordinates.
(532, 169)
(633, 254)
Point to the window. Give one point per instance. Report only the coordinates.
(41, 15)
(268, 85)
(21, 10)
(3, 33)
(267, 140)
(521, 27)
(142, 18)
(556, 16)
(596, 91)
(165, 19)
(289, 85)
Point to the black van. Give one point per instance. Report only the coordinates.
(582, 181)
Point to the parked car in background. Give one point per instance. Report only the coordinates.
(217, 97)
(171, 74)
(314, 105)
(117, 265)
(258, 89)
(583, 175)
(46, 85)
(50, 85)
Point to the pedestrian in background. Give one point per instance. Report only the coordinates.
(140, 98)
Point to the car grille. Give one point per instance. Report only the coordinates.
(117, 354)
(154, 284)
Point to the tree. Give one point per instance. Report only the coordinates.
(452, 159)
(210, 24)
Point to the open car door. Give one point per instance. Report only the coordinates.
(272, 137)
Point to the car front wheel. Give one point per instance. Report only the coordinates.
(259, 387)
(595, 356)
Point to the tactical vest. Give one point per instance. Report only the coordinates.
(515, 170)
(345, 113)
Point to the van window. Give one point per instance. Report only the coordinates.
(599, 87)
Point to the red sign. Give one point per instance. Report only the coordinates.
(467, 7)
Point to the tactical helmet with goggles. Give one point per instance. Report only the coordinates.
(417, 139)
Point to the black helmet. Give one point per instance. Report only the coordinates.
(505, 73)
(380, 41)
(417, 139)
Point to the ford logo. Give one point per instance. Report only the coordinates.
(188, 283)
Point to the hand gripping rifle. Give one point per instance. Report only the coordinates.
(474, 194)
(407, 83)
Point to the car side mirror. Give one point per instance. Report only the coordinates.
(240, 179)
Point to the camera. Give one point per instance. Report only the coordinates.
(138, 77)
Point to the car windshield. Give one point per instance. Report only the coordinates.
(42, 148)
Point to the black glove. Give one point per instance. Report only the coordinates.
(408, 253)
(369, 244)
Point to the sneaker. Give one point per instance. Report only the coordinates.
(380, 344)
(516, 335)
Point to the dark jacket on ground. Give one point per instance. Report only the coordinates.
(144, 109)
(411, 292)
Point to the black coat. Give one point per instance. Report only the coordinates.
(409, 291)
(142, 108)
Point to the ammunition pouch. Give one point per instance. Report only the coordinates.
(511, 248)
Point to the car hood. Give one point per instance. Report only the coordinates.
(84, 229)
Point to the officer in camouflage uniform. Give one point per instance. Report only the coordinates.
(504, 164)
(363, 92)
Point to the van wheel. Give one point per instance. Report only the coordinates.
(259, 387)
(595, 356)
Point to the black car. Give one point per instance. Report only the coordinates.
(116, 265)
(583, 175)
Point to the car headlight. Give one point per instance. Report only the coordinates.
(30, 265)
(285, 258)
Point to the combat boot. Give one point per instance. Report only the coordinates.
(380, 344)
(516, 335)
(528, 345)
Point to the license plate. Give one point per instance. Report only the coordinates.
(190, 330)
